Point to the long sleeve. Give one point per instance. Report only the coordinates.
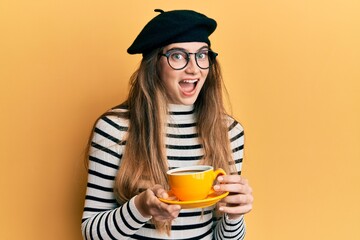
(102, 217)
(225, 227)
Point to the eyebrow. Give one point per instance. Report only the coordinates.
(183, 49)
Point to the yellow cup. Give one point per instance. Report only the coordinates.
(193, 183)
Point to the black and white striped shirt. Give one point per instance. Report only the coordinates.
(103, 218)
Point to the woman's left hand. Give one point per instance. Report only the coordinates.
(240, 199)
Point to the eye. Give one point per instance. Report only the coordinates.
(178, 56)
(202, 55)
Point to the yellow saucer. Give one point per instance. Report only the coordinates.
(207, 202)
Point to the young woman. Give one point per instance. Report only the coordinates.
(173, 117)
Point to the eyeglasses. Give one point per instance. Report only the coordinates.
(178, 59)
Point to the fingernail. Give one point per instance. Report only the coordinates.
(221, 209)
(216, 187)
(220, 179)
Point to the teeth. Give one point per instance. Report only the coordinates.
(190, 81)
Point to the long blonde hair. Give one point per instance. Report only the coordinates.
(144, 161)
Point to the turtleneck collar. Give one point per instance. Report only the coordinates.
(181, 113)
(180, 108)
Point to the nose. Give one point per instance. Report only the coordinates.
(192, 66)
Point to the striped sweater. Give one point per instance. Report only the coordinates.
(103, 218)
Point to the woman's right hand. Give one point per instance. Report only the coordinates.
(149, 205)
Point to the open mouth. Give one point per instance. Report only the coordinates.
(188, 85)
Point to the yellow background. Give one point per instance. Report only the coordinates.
(292, 70)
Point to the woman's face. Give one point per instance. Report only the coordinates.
(183, 86)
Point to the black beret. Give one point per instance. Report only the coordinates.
(173, 27)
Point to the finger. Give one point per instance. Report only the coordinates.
(172, 198)
(232, 179)
(239, 209)
(220, 204)
(163, 211)
(239, 199)
(166, 212)
(174, 210)
(159, 191)
(233, 188)
(169, 208)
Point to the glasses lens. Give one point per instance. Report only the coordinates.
(202, 59)
(177, 59)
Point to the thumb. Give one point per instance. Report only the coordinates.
(159, 191)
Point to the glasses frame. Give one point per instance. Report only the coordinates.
(211, 54)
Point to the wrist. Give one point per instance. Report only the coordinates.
(139, 204)
(230, 217)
